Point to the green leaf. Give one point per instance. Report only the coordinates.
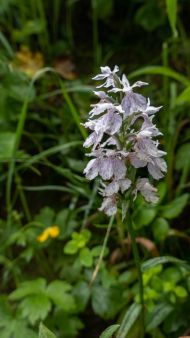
(12, 326)
(46, 216)
(172, 15)
(30, 27)
(160, 70)
(17, 328)
(144, 216)
(28, 288)
(173, 274)
(163, 260)
(108, 278)
(107, 333)
(103, 8)
(96, 251)
(58, 292)
(150, 16)
(74, 112)
(86, 234)
(183, 156)
(44, 332)
(81, 238)
(85, 257)
(69, 325)
(22, 92)
(5, 312)
(7, 141)
(160, 229)
(107, 302)
(81, 293)
(184, 96)
(129, 319)
(5, 41)
(180, 292)
(71, 247)
(162, 190)
(158, 315)
(66, 222)
(174, 208)
(124, 209)
(35, 307)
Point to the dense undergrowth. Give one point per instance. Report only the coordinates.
(51, 230)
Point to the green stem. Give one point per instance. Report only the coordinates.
(138, 265)
(11, 168)
(23, 198)
(165, 78)
(97, 268)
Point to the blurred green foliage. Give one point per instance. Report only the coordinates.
(51, 231)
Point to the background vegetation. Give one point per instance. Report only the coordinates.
(51, 231)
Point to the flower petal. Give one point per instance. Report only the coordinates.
(147, 190)
(109, 206)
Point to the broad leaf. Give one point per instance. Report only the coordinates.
(144, 217)
(107, 302)
(175, 208)
(71, 247)
(183, 156)
(45, 216)
(58, 292)
(85, 257)
(160, 229)
(36, 286)
(81, 292)
(35, 307)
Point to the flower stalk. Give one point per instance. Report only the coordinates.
(123, 140)
(138, 266)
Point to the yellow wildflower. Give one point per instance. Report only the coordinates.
(28, 62)
(52, 232)
(43, 236)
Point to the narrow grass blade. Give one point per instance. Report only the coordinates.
(160, 70)
(49, 152)
(129, 319)
(172, 15)
(6, 45)
(73, 110)
(108, 333)
(19, 132)
(163, 260)
(158, 315)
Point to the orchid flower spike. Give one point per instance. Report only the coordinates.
(123, 139)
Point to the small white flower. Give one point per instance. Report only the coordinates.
(109, 206)
(107, 74)
(147, 190)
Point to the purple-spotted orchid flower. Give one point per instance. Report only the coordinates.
(123, 139)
